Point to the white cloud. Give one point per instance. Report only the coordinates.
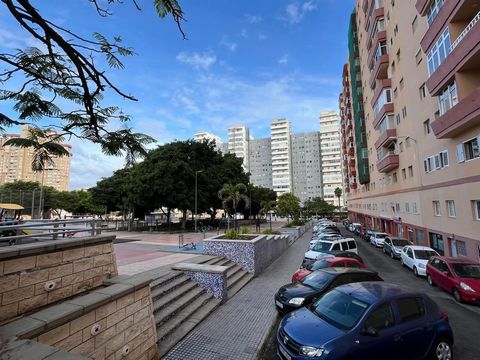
(295, 12)
(232, 46)
(262, 36)
(253, 19)
(198, 61)
(244, 33)
(283, 60)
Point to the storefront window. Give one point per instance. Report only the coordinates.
(420, 236)
(436, 243)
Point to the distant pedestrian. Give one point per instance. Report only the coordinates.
(257, 224)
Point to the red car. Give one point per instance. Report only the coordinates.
(460, 277)
(325, 263)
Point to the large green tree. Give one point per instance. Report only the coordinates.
(62, 77)
(288, 205)
(317, 206)
(232, 195)
(257, 195)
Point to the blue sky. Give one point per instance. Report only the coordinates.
(244, 62)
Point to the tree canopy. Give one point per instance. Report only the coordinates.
(61, 78)
(317, 206)
(288, 205)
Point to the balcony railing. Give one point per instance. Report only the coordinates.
(465, 31)
(388, 162)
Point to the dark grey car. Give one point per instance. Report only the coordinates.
(393, 246)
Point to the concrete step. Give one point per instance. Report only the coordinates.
(164, 329)
(232, 271)
(219, 260)
(162, 288)
(175, 336)
(173, 309)
(166, 298)
(239, 283)
(169, 276)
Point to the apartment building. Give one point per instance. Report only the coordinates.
(306, 165)
(239, 142)
(331, 157)
(281, 156)
(260, 160)
(420, 72)
(204, 135)
(16, 164)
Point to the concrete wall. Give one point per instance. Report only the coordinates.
(34, 275)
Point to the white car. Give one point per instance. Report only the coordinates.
(377, 238)
(416, 258)
(325, 237)
(323, 246)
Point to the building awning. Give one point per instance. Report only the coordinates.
(386, 217)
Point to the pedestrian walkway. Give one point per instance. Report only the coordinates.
(239, 328)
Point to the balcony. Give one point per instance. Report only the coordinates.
(464, 57)
(386, 138)
(388, 163)
(379, 37)
(381, 86)
(353, 186)
(377, 14)
(384, 110)
(351, 162)
(460, 118)
(351, 151)
(438, 25)
(379, 70)
(350, 138)
(422, 6)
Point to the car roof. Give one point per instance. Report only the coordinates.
(454, 260)
(342, 270)
(339, 258)
(418, 247)
(396, 238)
(379, 232)
(375, 291)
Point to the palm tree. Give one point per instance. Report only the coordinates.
(338, 194)
(267, 208)
(233, 194)
(46, 145)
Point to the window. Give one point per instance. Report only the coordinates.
(410, 308)
(461, 247)
(437, 210)
(423, 91)
(426, 127)
(381, 318)
(414, 23)
(414, 208)
(420, 236)
(432, 12)
(410, 171)
(448, 98)
(404, 174)
(407, 207)
(404, 112)
(394, 177)
(444, 158)
(476, 205)
(451, 208)
(439, 52)
(468, 150)
(418, 57)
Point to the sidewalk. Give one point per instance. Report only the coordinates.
(239, 328)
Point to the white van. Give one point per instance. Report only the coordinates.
(322, 246)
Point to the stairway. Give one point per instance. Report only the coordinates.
(179, 304)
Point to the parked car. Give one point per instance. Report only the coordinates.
(301, 293)
(416, 257)
(393, 246)
(346, 222)
(368, 233)
(325, 263)
(324, 237)
(377, 238)
(323, 246)
(460, 277)
(367, 321)
(353, 226)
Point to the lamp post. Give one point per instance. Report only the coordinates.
(196, 196)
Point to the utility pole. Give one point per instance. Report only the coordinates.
(196, 196)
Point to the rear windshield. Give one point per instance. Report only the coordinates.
(400, 242)
(317, 279)
(322, 246)
(381, 236)
(424, 254)
(319, 265)
(467, 270)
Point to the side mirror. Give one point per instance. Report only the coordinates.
(370, 331)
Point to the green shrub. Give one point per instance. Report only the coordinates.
(271, 232)
(244, 230)
(232, 234)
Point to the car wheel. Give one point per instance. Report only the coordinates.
(456, 295)
(401, 262)
(429, 280)
(442, 350)
(415, 271)
(391, 255)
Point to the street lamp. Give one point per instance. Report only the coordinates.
(196, 193)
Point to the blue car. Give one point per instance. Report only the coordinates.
(368, 320)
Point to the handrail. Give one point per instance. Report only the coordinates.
(465, 31)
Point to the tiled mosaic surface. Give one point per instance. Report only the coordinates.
(214, 283)
(241, 253)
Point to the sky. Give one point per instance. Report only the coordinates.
(244, 62)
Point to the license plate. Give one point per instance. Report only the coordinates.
(284, 352)
(279, 304)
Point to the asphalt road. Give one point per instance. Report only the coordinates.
(464, 318)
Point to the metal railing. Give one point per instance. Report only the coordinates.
(13, 232)
(465, 31)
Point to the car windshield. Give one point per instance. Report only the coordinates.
(400, 242)
(322, 246)
(381, 236)
(424, 254)
(467, 270)
(322, 264)
(339, 309)
(317, 279)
